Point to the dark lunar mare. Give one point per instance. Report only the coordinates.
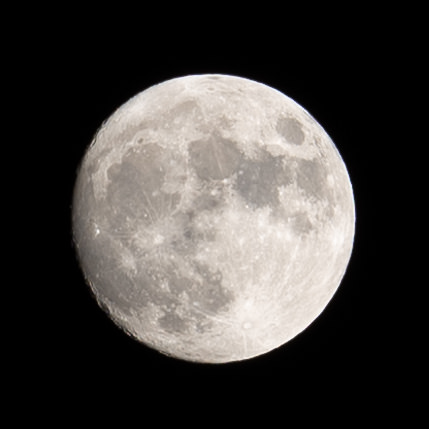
(291, 130)
(258, 180)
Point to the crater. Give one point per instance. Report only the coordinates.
(291, 130)
(215, 158)
(172, 322)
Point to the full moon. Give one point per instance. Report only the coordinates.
(213, 218)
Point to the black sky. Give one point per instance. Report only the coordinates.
(79, 77)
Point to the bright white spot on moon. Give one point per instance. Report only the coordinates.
(159, 239)
(213, 218)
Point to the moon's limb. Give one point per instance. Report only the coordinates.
(213, 218)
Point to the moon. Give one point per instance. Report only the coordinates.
(213, 218)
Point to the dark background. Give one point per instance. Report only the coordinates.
(82, 69)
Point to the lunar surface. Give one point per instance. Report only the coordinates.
(213, 218)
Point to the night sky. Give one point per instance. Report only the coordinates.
(343, 358)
